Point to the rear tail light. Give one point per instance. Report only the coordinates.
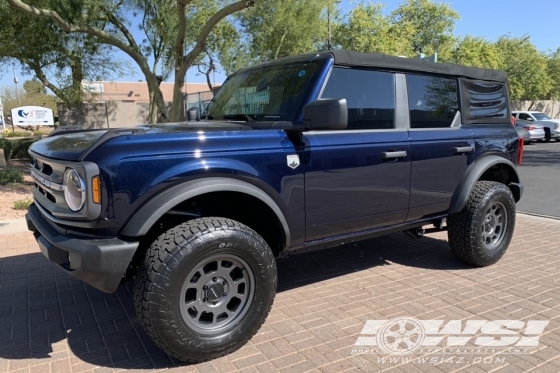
(520, 151)
(529, 128)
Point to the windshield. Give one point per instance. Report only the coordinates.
(268, 94)
(541, 116)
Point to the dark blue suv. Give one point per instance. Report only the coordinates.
(292, 155)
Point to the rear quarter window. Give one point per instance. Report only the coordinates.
(485, 102)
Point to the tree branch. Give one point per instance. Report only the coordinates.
(82, 28)
(209, 26)
(115, 21)
(181, 31)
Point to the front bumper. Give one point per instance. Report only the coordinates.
(98, 262)
(555, 134)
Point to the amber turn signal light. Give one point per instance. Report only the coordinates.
(96, 189)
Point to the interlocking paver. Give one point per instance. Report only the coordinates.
(50, 322)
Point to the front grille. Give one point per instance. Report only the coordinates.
(49, 188)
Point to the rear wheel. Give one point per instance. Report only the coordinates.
(480, 233)
(205, 288)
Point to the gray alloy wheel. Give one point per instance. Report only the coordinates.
(494, 226)
(217, 293)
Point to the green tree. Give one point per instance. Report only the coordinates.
(553, 69)
(60, 61)
(526, 67)
(86, 17)
(433, 24)
(366, 29)
(278, 28)
(477, 52)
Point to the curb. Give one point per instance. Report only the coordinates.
(13, 226)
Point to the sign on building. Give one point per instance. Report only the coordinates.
(32, 116)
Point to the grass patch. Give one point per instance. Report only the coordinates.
(22, 204)
(11, 176)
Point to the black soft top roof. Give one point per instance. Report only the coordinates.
(346, 58)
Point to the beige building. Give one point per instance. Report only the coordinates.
(137, 91)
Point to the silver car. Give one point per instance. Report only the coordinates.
(536, 131)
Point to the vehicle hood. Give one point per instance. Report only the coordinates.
(74, 146)
(68, 146)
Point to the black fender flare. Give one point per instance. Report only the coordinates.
(156, 207)
(463, 191)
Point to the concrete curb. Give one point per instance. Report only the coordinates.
(13, 226)
(19, 225)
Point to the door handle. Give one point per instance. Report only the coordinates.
(393, 155)
(462, 149)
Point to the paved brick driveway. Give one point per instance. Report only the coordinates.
(50, 322)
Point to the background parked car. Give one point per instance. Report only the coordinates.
(551, 126)
(524, 134)
(533, 131)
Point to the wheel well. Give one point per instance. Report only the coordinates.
(238, 206)
(502, 173)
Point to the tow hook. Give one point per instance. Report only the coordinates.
(415, 233)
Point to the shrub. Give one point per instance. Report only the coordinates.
(22, 204)
(40, 133)
(20, 148)
(19, 134)
(6, 145)
(11, 176)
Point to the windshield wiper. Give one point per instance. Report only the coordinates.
(246, 117)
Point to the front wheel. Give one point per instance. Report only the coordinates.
(480, 233)
(205, 288)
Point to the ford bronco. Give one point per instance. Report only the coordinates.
(292, 155)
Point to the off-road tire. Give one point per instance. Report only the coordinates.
(162, 275)
(465, 228)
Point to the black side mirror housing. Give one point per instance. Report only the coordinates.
(326, 113)
(193, 114)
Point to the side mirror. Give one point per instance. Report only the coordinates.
(193, 114)
(530, 119)
(326, 113)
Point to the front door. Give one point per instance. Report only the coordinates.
(358, 178)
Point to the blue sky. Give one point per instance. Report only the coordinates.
(488, 18)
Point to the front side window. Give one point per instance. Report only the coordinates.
(525, 116)
(267, 94)
(370, 96)
(432, 101)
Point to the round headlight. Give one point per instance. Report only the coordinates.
(75, 190)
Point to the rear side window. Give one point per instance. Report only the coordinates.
(487, 100)
(484, 102)
(432, 101)
(370, 96)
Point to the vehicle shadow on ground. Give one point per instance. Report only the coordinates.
(536, 157)
(44, 312)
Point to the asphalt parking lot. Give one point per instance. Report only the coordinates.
(540, 173)
(52, 323)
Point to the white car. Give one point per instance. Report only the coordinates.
(551, 126)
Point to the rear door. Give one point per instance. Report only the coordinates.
(358, 178)
(442, 148)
